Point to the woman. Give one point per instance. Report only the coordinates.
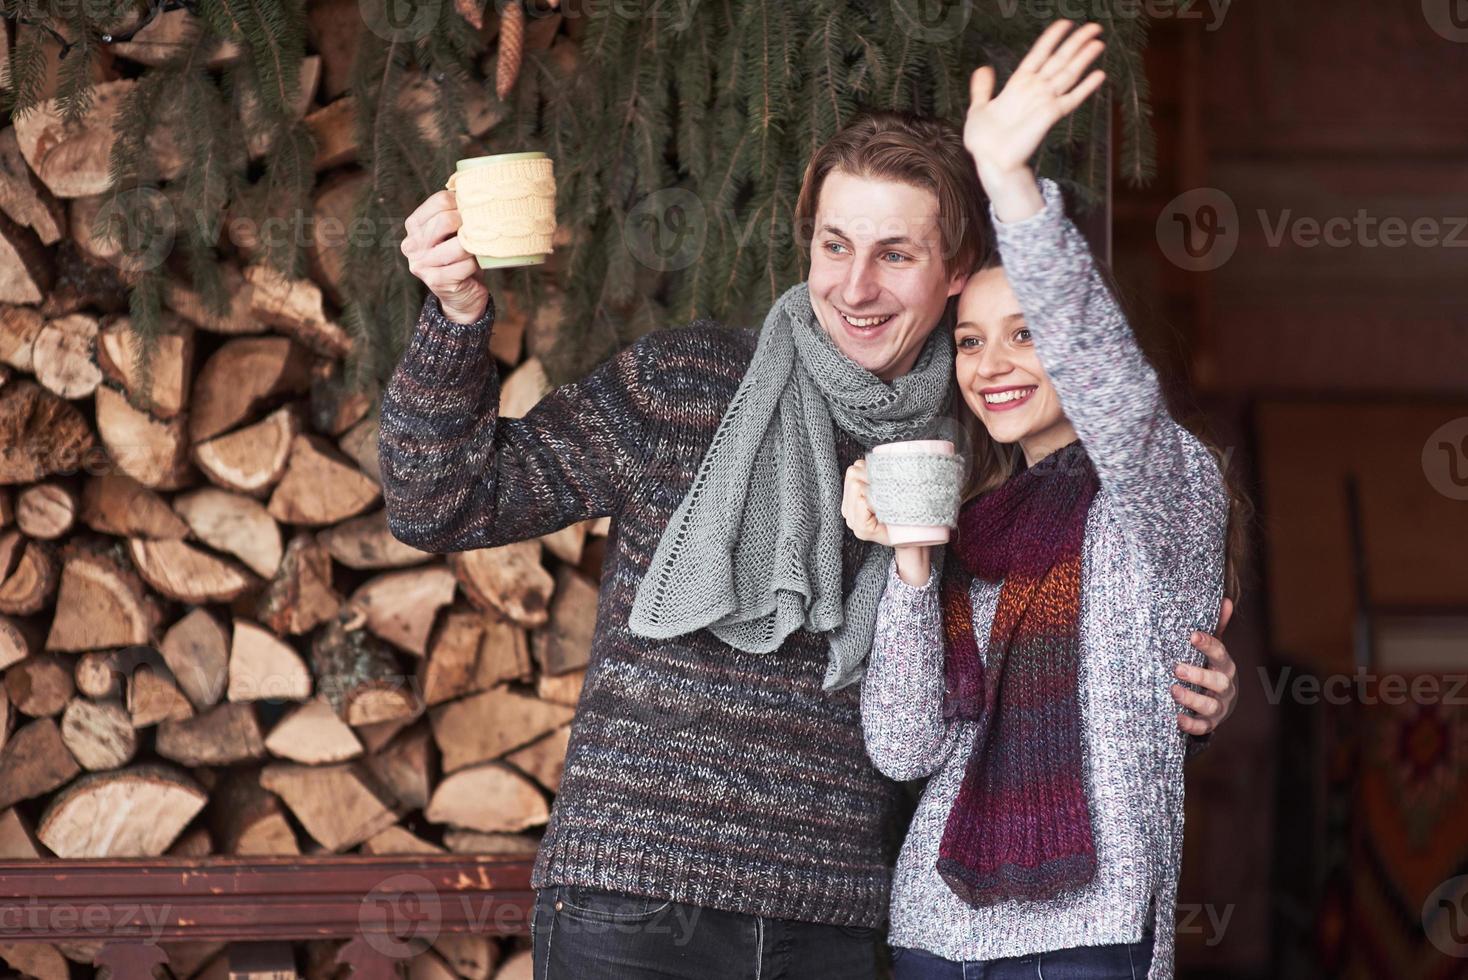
(1029, 672)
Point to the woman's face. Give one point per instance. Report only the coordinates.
(999, 371)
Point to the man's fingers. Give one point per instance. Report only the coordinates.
(1044, 45)
(1212, 648)
(1213, 680)
(435, 203)
(1201, 703)
(1194, 726)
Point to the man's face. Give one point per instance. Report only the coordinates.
(876, 270)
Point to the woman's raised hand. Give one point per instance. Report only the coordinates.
(1002, 132)
(431, 243)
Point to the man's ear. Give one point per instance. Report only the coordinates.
(957, 281)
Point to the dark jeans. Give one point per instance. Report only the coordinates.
(589, 934)
(1123, 961)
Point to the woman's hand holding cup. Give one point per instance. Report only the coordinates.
(913, 561)
(435, 255)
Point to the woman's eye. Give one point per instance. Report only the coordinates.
(1022, 335)
(968, 343)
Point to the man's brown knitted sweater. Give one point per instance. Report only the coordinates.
(695, 772)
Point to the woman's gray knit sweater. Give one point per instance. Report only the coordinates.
(1153, 572)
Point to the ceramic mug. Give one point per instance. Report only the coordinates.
(508, 205)
(914, 534)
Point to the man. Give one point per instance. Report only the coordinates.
(718, 815)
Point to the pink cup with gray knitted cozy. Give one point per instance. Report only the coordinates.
(892, 469)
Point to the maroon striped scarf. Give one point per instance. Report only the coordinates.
(1021, 826)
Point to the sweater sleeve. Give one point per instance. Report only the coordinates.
(907, 736)
(1161, 477)
(456, 476)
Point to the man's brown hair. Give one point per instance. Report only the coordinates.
(911, 149)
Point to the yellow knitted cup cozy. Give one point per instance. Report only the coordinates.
(508, 205)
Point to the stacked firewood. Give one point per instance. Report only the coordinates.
(210, 642)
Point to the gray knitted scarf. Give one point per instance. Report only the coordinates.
(753, 552)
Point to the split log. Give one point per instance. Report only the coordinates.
(360, 445)
(487, 725)
(335, 405)
(297, 308)
(300, 597)
(366, 542)
(376, 735)
(46, 511)
(320, 486)
(155, 452)
(19, 639)
(568, 543)
(153, 696)
(334, 27)
(490, 797)
(402, 768)
(40, 434)
(163, 38)
(525, 386)
(33, 574)
(39, 686)
(115, 503)
(359, 675)
(171, 368)
(461, 841)
(186, 959)
(26, 272)
(509, 580)
(333, 206)
(340, 806)
(471, 955)
(23, 197)
(19, 326)
(400, 606)
(428, 965)
(40, 960)
(196, 649)
(471, 652)
(520, 966)
(251, 459)
(70, 158)
(561, 688)
(544, 759)
(34, 761)
(133, 812)
(83, 284)
(393, 840)
(333, 127)
(193, 843)
(564, 643)
(189, 574)
(17, 839)
(225, 735)
(247, 819)
(262, 668)
(259, 130)
(98, 676)
(313, 734)
(240, 377)
(233, 523)
(102, 603)
(64, 356)
(99, 734)
(235, 320)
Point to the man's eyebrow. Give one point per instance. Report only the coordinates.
(894, 240)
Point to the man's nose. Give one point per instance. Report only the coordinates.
(861, 284)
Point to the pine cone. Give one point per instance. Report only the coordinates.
(512, 47)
